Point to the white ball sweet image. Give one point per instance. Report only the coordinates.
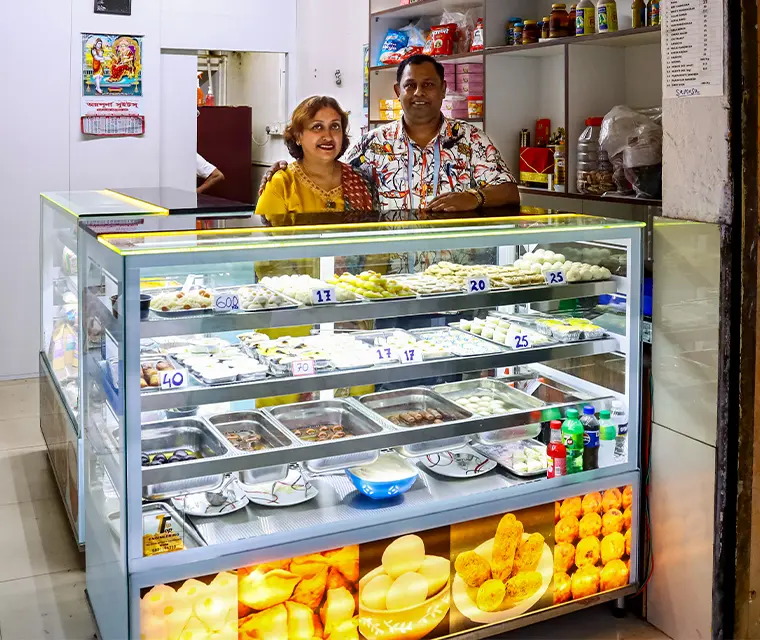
(403, 555)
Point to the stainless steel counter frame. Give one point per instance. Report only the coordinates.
(146, 571)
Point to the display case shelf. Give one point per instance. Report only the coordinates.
(385, 440)
(647, 202)
(421, 8)
(211, 323)
(197, 394)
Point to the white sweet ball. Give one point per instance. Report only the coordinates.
(546, 267)
(586, 274)
(549, 255)
(529, 257)
(539, 253)
(558, 265)
(536, 268)
(606, 273)
(559, 257)
(520, 264)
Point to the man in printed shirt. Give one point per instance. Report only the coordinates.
(454, 166)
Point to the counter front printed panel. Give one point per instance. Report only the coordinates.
(436, 420)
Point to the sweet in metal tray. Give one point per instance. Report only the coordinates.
(523, 458)
(416, 407)
(459, 343)
(427, 286)
(175, 303)
(253, 298)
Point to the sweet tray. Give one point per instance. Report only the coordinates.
(255, 290)
(460, 343)
(504, 454)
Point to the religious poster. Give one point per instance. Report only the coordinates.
(112, 87)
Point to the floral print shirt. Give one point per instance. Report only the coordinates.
(469, 160)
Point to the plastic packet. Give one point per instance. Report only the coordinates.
(465, 28)
(395, 40)
(440, 40)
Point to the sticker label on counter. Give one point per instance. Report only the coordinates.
(302, 368)
(555, 277)
(323, 295)
(226, 302)
(478, 284)
(173, 379)
(163, 539)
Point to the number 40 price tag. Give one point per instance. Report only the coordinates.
(173, 379)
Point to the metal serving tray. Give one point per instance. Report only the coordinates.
(502, 455)
(448, 334)
(190, 537)
(404, 277)
(376, 338)
(551, 391)
(497, 390)
(267, 429)
(337, 411)
(291, 303)
(386, 403)
(195, 434)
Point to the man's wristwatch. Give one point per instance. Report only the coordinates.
(479, 195)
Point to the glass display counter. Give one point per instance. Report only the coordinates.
(340, 431)
(63, 338)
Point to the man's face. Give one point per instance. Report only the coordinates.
(421, 92)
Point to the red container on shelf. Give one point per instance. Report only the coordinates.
(543, 131)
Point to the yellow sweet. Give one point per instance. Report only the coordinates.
(435, 570)
(375, 592)
(408, 590)
(403, 555)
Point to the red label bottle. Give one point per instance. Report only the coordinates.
(556, 452)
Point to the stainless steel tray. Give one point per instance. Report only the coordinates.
(195, 434)
(187, 532)
(498, 453)
(406, 276)
(386, 403)
(269, 432)
(451, 333)
(292, 304)
(497, 390)
(551, 391)
(337, 411)
(546, 340)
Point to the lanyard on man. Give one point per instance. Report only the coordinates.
(423, 184)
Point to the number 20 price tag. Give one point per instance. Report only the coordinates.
(173, 379)
(555, 277)
(478, 284)
(323, 295)
(303, 368)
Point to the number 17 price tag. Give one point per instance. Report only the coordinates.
(410, 355)
(323, 295)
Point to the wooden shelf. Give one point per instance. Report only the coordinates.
(584, 196)
(457, 57)
(423, 8)
(373, 121)
(625, 38)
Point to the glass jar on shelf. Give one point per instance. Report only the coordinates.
(530, 33)
(558, 21)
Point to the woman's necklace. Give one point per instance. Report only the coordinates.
(330, 203)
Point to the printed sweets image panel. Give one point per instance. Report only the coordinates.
(502, 567)
(313, 596)
(204, 607)
(592, 551)
(404, 591)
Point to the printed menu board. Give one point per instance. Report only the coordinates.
(693, 33)
(428, 584)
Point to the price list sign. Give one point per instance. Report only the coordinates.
(693, 33)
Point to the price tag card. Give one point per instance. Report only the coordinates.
(517, 339)
(173, 379)
(555, 277)
(226, 302)
(302, 368)
(478, 284)
(410, 355)
(384, 355)
(323, 295)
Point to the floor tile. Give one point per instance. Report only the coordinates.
(50, 606)
(595, 623)
(20, 433)
(25, 475)
(19, 398)
(35, 539)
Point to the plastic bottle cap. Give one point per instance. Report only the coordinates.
(604, 414)
(588, 410)
(594, 122)
(572, 414)
(555, 424)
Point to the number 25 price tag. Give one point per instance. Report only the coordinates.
(323, 295)
(555, 277)
(478, 284)
(410, 355)
(303, 368)
(173, 379)
(518, 340)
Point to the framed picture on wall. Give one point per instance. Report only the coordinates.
(117, 7)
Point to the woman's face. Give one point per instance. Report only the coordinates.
(322, 137)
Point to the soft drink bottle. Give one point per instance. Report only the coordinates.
(556, 452)
(607, 439)
(619, 416)
(572, 435)
(590, 439)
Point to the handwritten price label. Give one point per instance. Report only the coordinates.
(410, 355)
(518, 340)
(478, 284)
(302, 368)
(226, 302)
(384, 354)
(323, 295)
(555, 277)
(173, 379)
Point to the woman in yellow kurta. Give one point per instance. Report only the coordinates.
(316, 183)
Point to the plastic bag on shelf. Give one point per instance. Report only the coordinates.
(465, 22)
(633, 140)
(394, 41)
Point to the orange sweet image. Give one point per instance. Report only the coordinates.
(566, 530)
(590, 525)
(587, 552)
(571, 507)
(612, 499)
(612, 521)
(592, 503)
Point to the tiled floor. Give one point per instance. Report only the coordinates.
(42, 573)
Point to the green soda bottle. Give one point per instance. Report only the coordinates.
(572, 436)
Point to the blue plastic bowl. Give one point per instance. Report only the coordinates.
(381, 490)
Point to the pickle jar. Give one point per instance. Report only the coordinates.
(558, 21)
(530, 33)
(545, 28)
